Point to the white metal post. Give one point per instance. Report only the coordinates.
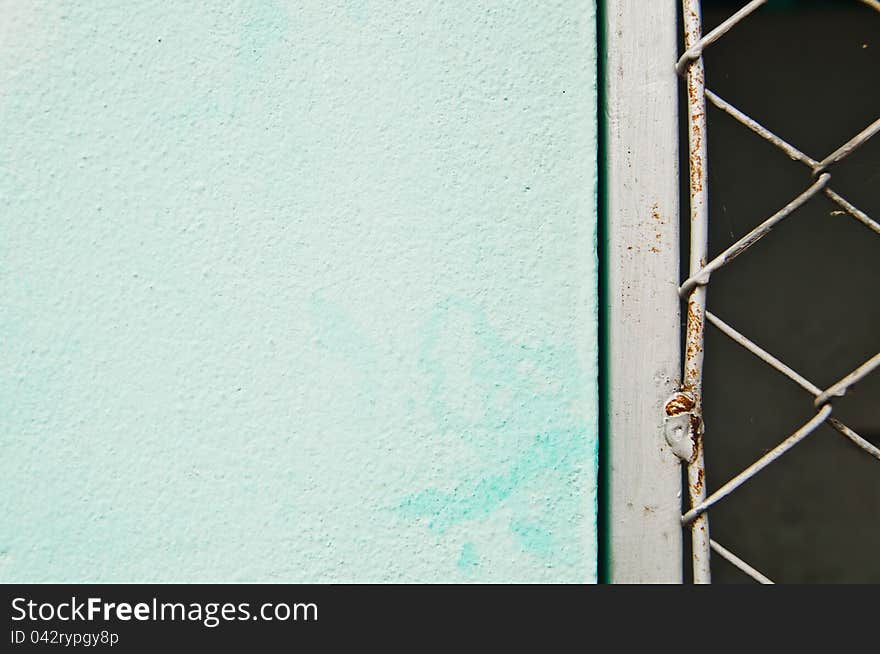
(696, 301)
(642, 258)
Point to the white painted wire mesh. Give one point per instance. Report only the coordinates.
(818, 180)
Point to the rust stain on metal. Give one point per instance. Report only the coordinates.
(695, 86)
(684, 402)
(696, 430)
(680, 403)
(696, 161)
(693, 342)
(655, 213)
(696, 434)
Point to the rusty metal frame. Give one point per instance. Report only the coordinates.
(687, 402)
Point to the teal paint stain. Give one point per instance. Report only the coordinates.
(264, 24)
(534, 539)
(519, 389)
(472, 499)
(469, 559)
(515, 405)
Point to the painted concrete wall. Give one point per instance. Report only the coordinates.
(297, 291)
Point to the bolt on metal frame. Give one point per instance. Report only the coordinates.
(687, 403)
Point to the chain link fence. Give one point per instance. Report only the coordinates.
(684, 409)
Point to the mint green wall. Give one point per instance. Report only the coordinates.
(297, 291)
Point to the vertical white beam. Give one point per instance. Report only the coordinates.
(642, 305)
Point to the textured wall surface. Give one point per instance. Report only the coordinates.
(297, 291)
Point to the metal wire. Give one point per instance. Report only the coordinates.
(702, 275)
(693, 290)
(696, 301)
(795, 377)
(758, 465)
(739, 563)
